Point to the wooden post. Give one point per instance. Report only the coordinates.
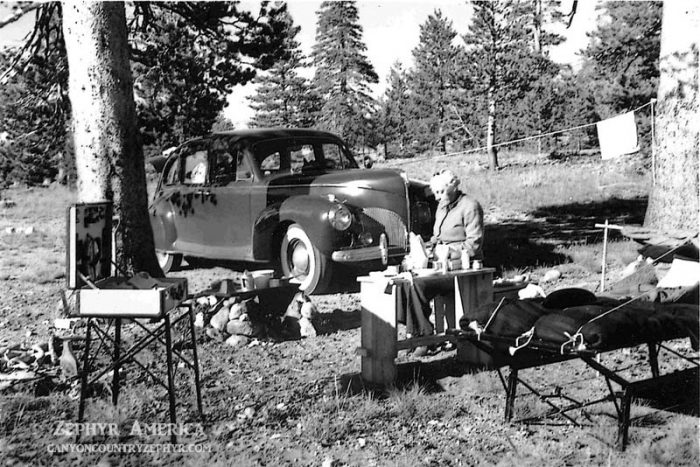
(605, 255)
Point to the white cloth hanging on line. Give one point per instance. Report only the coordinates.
(618, 136)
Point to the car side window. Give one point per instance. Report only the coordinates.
(333, 156)
(301, 157)
(271, 163)
(195, 161)
(223, 158)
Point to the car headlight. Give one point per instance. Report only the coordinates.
(340, 217)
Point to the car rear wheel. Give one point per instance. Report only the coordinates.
(303, 262)
(168, 261)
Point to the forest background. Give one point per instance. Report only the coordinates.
(494, 83)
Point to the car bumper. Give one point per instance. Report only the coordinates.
(369, 253)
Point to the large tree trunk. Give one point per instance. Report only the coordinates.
(674, 201)
(108, 152)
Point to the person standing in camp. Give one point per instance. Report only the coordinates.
(459, 219)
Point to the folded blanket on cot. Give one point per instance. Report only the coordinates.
(599, 324)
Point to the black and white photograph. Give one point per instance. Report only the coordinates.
(350, 233)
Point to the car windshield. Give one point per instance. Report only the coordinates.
(299, 155)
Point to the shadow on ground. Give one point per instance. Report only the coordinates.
(659, 398)
(672, 396)
(516, 244)
(425, 374)
(338, 320)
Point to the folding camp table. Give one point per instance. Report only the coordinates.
(157, 308)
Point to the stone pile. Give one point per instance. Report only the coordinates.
(237, 322)
(300, 316)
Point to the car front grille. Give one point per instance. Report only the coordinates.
(394, 226)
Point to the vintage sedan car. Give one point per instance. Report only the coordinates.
(291, 197)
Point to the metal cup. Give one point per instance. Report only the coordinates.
(476, 265)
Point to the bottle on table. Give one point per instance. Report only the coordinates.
(464, 257)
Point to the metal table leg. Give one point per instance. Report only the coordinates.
(197, 386)
(623, 423)
(85, 371)
(171, 387)
(115, 376)
(511, 392)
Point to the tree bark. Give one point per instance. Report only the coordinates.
(491, 129)
(674, 200)
(108, 152)
(537, 27)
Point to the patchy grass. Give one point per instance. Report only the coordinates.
(677, 444)
(36, 255)
(590, 256)
(527, 182)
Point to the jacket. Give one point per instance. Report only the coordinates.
(461, 223)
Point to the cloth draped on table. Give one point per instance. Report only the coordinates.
(413, 301)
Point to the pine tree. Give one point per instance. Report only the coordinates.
(395, 113)
(543, 97)
(433, 83)
(499, 53)
(33, 113)
(283, 98)
(623, 56)
(185, 59)
(343, 73)
(545, 12)
(624, 52)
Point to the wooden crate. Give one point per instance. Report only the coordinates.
(115, 297)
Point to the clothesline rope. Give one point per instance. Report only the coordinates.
(520, 140)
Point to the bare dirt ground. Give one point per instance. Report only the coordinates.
(302, 402)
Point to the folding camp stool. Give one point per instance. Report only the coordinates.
(156, 307)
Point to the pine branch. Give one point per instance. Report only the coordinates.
(19, 10)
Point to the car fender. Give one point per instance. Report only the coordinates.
(310, 212)
(164, 231)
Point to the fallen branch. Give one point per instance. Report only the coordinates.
(19, 376)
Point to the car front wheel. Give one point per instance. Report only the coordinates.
(303, 262)
(168, 261)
